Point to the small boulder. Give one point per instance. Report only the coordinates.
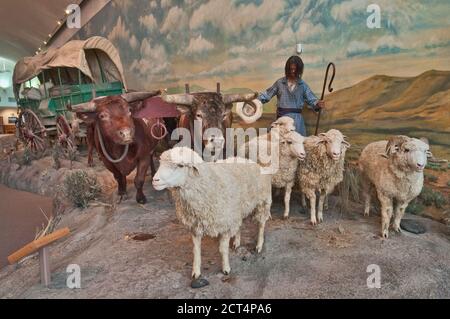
(412, 226)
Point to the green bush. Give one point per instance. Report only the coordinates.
(415, 208)
(80, 188)
(430, 197)
(431, 178)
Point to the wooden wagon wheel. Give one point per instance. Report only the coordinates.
(31, 131)
(65, 136)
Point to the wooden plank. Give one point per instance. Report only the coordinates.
(44, 262)
(37, 244)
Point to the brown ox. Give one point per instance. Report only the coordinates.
(122, 141)
(213, 110)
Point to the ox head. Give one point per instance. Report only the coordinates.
(113, 114)
(409, 153)
(335, 142)
(213, 110)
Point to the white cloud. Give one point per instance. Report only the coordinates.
(230, 66)
(119, 31)
(233, 19)
(176, 20)
(165, 4)
(388, 41)
(149, 22)
(134, 42)
(342, 11)
(199, 45)
(307, 30)
(123, 5)
(237, 50)
(358, 47)
(154, 60)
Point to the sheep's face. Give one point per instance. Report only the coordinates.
(170, 175)
(174, 167)
(284, 124)
(296, 148)
(410, 153)
(335, 143)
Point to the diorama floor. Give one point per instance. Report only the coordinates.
(297, 261)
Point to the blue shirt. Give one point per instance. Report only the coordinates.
(295, 99)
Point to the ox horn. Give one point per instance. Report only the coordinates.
(249, 111)
(83, 107)
(232, 98)
(139, 96)
(180, 99)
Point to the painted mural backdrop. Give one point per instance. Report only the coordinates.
(392, 79)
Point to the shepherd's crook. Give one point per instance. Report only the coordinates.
(330, 89)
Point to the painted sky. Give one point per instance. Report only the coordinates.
(245, 43)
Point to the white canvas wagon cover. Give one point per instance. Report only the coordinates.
(84, 55)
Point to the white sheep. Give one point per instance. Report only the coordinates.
(322, 169)
(212, 199)
(284, 159)
(394, 169)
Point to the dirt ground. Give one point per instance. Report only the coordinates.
(298, 260)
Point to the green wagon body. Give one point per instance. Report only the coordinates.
(71, 74)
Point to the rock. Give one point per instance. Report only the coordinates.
(412, 226)
(199, 283)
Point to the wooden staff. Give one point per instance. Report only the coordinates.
(330, 89)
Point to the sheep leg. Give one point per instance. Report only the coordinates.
(399, 212)
(197, 241)
(304, 201)
(322, 200)
(386, 214)
(260, 243)
(237, 240)
(311, 194)
(224, 245)
(325, 202)
(262, 224)
(366, 196)
(287, 199)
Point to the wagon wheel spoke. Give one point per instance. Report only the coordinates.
(65, 135)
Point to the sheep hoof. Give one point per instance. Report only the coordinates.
(385, 235)
(258, 249)
(313, 222)
(320, 220)
(285, 217)
(226, 272)
(199, 283)
(397, 229)
(366, 214)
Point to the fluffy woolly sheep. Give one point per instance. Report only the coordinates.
(284, 159)
(322, 169)
(394, 169)
(212, 199)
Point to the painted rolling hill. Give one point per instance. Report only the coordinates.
(424, 99)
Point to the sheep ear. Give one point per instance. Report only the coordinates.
(429, 154)
(394, 143)
(347, 144)
(384, 155)
(425, 140)
(195, 169)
